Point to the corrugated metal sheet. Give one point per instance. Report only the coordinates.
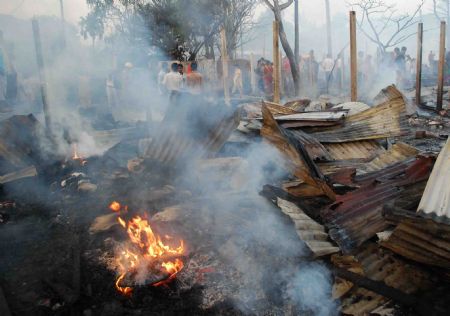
(314, 116)
(311, 232)
(357, 216)
(170, 144)
(385, 120)
(352, 107)
(298, 161)
(423, 241)
(380, 265)
(435, 201)
(315, 149)
(365, 149)
(253, 110)
(397, 153)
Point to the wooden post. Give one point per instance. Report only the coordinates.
(353, 58)
(63, 24)
(264, 46)
(41, 71)
(297, 33)
(419, 63)
(226, 90)
(252, 73)
(440, 91)
(276, 64)
(280, 73)
(329, 42)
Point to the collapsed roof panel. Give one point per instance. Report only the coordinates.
(435, 201)
(385, 120)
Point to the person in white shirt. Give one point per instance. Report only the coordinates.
(162, 73)
(173, 81)
(327, 66)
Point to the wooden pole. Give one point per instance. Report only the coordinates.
(226, 90)
(353, 58)
(280, 73)
(41, 71)
(264, 46)
(276, 64)
(328, 14)
(419, 63)
(63, 24)
(440, 91)
(297, 33)
(252, 73)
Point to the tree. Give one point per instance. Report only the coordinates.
(382, 18)
(180, 28)
(441, 10)
(276, 8)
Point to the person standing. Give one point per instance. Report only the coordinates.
(194, 80)
(237, 82)
(173, 82)
(162, 73)
(327, 66)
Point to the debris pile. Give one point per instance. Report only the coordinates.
(256, 195)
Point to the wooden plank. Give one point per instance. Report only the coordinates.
(276, 63)
(440, 91)
(226, 89)
(353, 58)
(419, 63)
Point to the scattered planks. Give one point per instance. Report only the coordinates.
(17, 175)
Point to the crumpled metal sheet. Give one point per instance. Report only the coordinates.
(357, 216)
(382, 121)
(365, 149)
(170, 144)
(376, 264)
(397, 153)
(435, 201)
(421, 240)
(311, 232)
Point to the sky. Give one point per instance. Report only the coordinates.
(74, 9)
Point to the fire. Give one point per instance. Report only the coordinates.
(76, 156)
(146, 252)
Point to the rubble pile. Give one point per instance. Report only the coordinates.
(356, 191)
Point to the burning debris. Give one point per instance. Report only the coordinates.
(135, 192)
(147, 256)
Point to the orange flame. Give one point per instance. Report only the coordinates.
(147, 252)
(115, 206)
(76, 156)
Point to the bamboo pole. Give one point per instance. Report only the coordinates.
(41, 71)
(419, 63)
(226, 90)
(440, 91)
(276, 64)
(353, 58)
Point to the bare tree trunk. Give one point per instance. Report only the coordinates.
(330, 47)
(287, 48)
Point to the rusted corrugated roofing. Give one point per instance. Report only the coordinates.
(365, 149)
(385, 120)
(376, 264)
(298, 161)
(315, 149)
(397, 153)
(311, 232)
(423, 241)
(357, 216)
(435, 201)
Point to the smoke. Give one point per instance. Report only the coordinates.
(250, 232)
(311, 289)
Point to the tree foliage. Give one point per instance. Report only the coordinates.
(179, 28)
